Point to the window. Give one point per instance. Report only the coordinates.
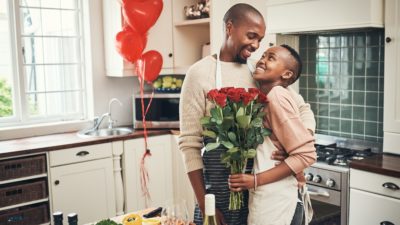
(41, 62)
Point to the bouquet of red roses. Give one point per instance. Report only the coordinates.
(236, 124)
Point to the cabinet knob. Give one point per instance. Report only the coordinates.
(388, 39)
(386, 223)
(271, 44)
(56, 182)
(170, 55)
(391, 186)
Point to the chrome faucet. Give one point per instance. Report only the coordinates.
(110, 120)
(97, 121)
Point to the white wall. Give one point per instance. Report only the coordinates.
(106, 88)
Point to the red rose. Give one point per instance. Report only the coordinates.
(247, 98)
(254, 90)
(240, 90)
(225, 90)
(212, 94)
(234, 95)
(262, 98)
(220, 99)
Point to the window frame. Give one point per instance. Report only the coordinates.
(21, 115)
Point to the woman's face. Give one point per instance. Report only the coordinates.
(244, 37)
(272, 65)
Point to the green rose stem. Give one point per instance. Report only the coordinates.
(236, 198)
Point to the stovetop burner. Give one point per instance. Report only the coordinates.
(340, 156)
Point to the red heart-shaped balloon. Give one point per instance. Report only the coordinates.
(141, 15)
(129, 44)
(126, 27)
(152, 65)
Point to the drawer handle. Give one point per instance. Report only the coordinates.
(57, 182)
(318, 193)
(391, 186)
(82, 153)
(387, 223)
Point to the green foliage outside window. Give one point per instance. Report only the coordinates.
(5, 99)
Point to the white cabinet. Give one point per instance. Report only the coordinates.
(82, 182)
(320, 15)
(181, 183)
(159, 39)
(370, 201)
(190, 35)
(159, 167)
(391, 117)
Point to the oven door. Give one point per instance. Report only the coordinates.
(326, 204)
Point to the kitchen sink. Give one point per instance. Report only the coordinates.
(106, 132)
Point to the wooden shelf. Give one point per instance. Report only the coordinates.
(23, 178)
(204, 21)
(24, 204)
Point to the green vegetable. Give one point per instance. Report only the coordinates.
(107, 222)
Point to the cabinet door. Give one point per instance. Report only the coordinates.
(182, 187)
(159, 166)
(86, 188)
(159, 39)
(367, 208)
(392, 77)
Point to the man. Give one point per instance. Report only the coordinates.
(244, 28)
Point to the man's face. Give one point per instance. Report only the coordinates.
(244, 37)
(272, 65)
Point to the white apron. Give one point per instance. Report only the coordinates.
(275, 203)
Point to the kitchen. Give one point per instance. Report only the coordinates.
(345, 111)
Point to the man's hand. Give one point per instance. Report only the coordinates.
(240, 182)
(219, 217)
(279, 155)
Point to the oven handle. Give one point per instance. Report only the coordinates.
(318, 193)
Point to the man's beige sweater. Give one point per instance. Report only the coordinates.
(193, 105)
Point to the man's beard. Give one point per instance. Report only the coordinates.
(240, 60)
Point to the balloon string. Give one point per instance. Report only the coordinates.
(144, 175)
(151, 99)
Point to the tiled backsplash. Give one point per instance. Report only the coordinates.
(342, 79)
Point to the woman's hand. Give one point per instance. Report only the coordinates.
(240, 182)
(279, 155)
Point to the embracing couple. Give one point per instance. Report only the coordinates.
(279, 195)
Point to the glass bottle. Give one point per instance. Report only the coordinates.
(72, 219)
(58, 218)
(209, 210)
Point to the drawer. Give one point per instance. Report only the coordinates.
(374, 183)
(368, 208)
(80, 154)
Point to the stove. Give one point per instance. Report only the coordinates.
(328, 182)
(340, 156)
